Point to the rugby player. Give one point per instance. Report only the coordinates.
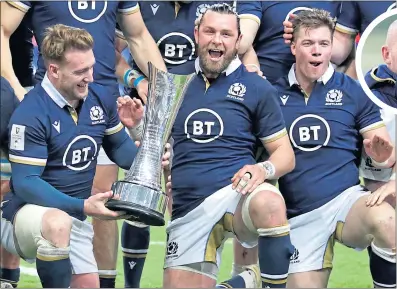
(176, 44)
(262, 28)
(225, 110)
(99, 18)
(327, 115)
(353, 19)
(383, 78)
(382, 82)
(55, 135)
(21, 48)
(10, 271)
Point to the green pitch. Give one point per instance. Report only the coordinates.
(350, 267)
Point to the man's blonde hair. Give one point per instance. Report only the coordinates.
(58, 39)
(312, 19)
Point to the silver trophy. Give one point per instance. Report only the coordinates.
(141, 195)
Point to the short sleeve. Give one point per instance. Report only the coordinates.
(269, 122)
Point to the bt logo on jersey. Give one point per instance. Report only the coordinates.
(80, 152)
(309, 132)
(178, 48)
(87, 11)
(203, 126)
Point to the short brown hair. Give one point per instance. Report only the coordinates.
(221, 8)
(60, 38)
(312, 19)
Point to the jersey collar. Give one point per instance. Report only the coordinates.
(54, 93)
(324, 79)
(229, 70)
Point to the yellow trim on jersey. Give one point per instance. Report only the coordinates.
(114, 129)
(134, 255)
(345, 29)
(128, 11)
(177, 8)
(251, 17)
(19, 5)
(378, 79)
(27, 160)
(375, 125)
(51, 258)
(281, 281)
(275, 136)
(73, 114)
(217, 236)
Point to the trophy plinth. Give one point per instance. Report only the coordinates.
(141, 204)
(140, 194)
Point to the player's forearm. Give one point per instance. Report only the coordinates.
(342, 46)
(120, 149)
(121, 67)
(7, 70)
(28, 185)
(250, 58)
(249, 28)
(143, 50)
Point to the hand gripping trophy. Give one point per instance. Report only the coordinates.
(141, 196)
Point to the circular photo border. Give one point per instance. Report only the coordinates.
(359, 54)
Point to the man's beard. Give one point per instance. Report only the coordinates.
(212, 70)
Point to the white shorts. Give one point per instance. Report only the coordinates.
(103, 159)
(5, 169)
(314, 233)
(22, 237)
(199, 236)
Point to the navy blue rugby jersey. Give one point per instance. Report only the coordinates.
(46, 131)
(97, 17)
(355, 16)
(383, 83)
(171, 24)
(216, 130)
(325, 131)
(274, 55)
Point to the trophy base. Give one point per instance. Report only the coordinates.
(137, 213)
(139, 203)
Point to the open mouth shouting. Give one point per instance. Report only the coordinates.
(215, 54)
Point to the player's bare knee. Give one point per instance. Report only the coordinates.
(383, 225)
(56, 227)
(267, 209)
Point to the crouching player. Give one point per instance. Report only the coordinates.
(55, 136)
(218, 189)
(328, 114)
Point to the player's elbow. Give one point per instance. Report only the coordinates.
(22, 186)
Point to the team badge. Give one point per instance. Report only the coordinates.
(96, 113)
(237, 89)
(334, 97)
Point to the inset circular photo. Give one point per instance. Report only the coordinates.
(376, 61)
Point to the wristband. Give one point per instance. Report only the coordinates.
(383, 165)
(270, 169)
(138, 80)
(125, 77)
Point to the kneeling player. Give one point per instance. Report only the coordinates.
(55, 135)
(224, 111)
(327, 114)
